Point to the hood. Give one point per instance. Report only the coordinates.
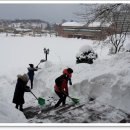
(65, 71)
(24, 77)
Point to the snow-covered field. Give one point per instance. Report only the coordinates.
(107, 80)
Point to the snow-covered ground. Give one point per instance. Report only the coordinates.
(107, 80)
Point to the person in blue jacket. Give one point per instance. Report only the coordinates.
(31, 73)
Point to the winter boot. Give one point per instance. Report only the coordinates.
(16, 106)
(21, 108)
(56, 105)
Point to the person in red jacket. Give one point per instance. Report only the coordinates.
(61, 86)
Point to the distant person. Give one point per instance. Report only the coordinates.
(61, 86)
(20, 88)
(31, 70)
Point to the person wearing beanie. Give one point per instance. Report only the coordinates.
(61, 86)
(21, 87)
(31, 70)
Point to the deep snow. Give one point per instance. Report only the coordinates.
(107, 79)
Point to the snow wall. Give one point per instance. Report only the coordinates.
(106, 80)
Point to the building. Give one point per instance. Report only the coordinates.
(92, 31)
(121, 22)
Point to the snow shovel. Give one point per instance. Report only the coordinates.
(41, 101)
(41, 61)
(75, 100)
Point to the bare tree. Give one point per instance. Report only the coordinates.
(119, 29)
(118, 15)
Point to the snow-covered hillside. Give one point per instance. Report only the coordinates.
(107, 80)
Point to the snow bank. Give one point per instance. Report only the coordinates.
(8, 114)
(103, 80)
(107, 79)
(127, 46)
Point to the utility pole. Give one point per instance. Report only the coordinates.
(46, 51)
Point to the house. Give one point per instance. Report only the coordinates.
(82, 30)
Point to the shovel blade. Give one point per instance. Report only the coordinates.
(75, 100)
(42, 60)
(41, 101)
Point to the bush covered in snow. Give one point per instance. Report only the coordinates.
(86, 55)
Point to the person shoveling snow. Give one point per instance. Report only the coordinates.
(61, 86)
(31, 71)
(21, 87)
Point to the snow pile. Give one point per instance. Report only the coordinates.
(127, 47)
(86, 48)
(16, 53)
(106, 80)
(102, 80)
(8, 113)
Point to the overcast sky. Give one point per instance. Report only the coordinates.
(47, 12)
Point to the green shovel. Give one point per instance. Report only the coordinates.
(75, 100)
(41, 101)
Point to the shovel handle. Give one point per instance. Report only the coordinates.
(65, 94)
(69, 97)
(38, 63)
(34, 95)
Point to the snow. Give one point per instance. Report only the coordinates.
(21, 29)
(98, 24)
(107, 80)
(127, 46)
(79, 24)
(73, 24)
(86, 48)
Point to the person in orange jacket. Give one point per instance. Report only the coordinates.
(61, 86)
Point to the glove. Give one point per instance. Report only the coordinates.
(67, 93)
(64, 93)
(70, 83)
(27, 89)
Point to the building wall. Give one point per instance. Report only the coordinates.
(96, 33)
(122, 22)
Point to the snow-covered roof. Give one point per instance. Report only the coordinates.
(73, 24)
(21, 29)
(98, 24)
(79, 24)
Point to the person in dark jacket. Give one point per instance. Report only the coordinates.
(21, 87)
(61, 86)
(31, 70)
